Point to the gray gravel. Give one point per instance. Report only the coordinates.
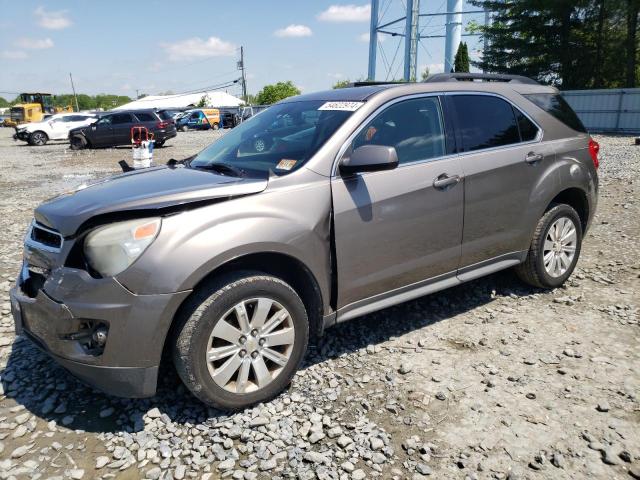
(487, 380)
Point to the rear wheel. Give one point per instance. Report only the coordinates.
(554, 250)
(78, 142)
(159, 144)
(216, 126)
(38, 138)
(182, 128)
(241, 340)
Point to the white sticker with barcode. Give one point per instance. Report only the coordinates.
(344, 106)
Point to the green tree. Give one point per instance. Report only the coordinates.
(568, 43)
(274, 93)
(461, 61)
(341, 84)
(203, 102)
(425, 73)
(3, 103)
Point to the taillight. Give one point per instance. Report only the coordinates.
(163, 124)
(594, 148)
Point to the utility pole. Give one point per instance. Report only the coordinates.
(411, 39)
(244, 77)
(74, 92)
(453, 33)
(373, 40)
(137, 94)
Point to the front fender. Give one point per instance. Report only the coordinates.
(194, 243)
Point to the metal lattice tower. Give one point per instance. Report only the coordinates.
(411, 35)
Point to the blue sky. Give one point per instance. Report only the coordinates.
(120, 47)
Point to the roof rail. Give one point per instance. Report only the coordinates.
(367, 83)
(487, 77)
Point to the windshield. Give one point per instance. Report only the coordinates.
(280, 139)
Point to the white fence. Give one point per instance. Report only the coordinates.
(615, 110)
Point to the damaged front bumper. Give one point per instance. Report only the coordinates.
(21, 135)
(61, 313)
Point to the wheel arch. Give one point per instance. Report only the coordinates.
(577, 199)
(280, 265)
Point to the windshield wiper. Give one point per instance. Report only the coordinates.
(222, 168)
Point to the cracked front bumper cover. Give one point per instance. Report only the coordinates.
(137, 327)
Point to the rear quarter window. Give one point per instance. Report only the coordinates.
(145, 117)
(555, 105)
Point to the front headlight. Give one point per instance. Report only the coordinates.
(112, 248)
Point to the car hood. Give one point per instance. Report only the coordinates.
(141, 192)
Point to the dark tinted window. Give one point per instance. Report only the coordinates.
(413, 127)
(120, 118)
(485, 122)
(528, 129)
(164, 115)
(557, 106)
(145, 117)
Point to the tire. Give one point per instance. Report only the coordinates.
(38, 138)
(216, 126)
(208, 315)
(78, 142)
(182, 128)
(552, 275)
(159, 144)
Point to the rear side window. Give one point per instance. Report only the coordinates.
(163, 114)
(413, 127)
(120, 118)
(555, 105)
(145, 117)
(528, 129)
(484, 122)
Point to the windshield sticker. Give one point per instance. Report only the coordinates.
(285, 164)
(344, 106)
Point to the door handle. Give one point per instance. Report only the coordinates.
(533, 157)
(443, 181)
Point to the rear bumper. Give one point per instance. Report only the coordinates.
(71, 304)
(164, 135)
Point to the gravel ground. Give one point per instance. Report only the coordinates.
(490, 379)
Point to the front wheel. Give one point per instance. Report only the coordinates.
(554, 250)
(38, 138)
(241, 340)
(78, 142)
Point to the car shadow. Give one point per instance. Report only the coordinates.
(34, 380)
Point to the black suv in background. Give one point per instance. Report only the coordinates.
(114, 129)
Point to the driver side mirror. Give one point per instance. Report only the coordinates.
(369, 158)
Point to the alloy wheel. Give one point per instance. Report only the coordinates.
(250, 345)
(559, 247)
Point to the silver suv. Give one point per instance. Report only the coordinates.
(354, 200)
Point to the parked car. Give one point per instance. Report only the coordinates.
(231, 261)
(200, 119)
(55, 127)
(114, 128)
(169, 114)
(229, 119)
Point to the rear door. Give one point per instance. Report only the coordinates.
(399, 227)
(122, 123)
(502, 157)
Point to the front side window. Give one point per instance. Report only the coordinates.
(280, 140)
(413, 127)
(121, 118)
(484, 122)
(104, 121)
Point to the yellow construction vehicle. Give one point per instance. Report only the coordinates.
(32, 108)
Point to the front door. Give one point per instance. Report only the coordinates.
(101, 132)
(122, 123)
(399, 227)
